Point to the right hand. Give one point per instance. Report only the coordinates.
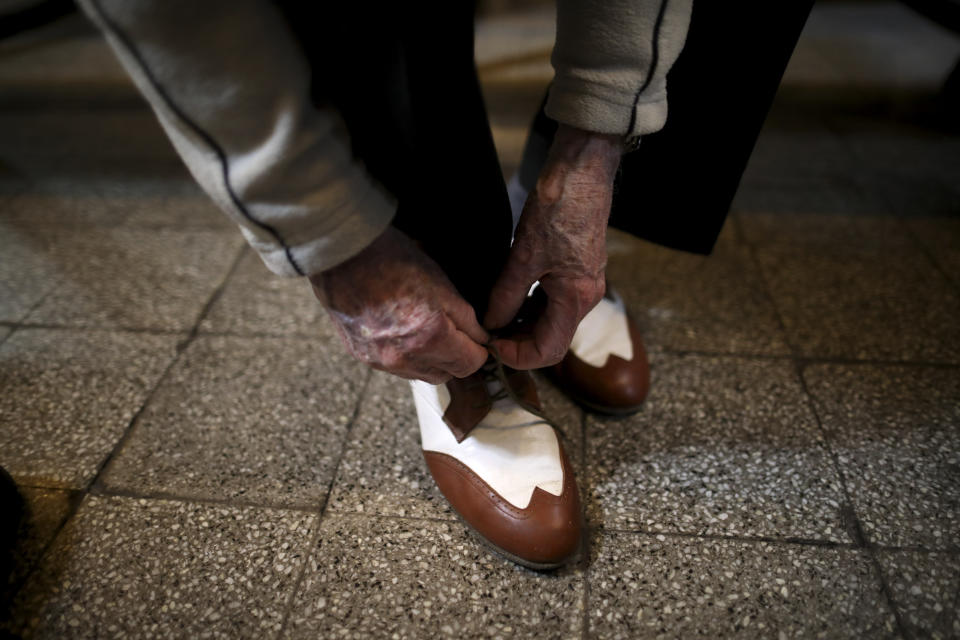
(398, 312)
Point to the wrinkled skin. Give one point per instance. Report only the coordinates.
(398, 312)
(560, 241)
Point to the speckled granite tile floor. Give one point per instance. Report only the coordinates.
(199, 457)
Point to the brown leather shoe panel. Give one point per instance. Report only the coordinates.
(547, 531)
(469, 404)
(618, 385)
(523, 386)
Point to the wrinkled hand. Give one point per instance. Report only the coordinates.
(398, 312)
(560, 241)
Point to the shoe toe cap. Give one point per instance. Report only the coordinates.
(544, 534)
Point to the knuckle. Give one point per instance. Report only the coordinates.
(556, 355)
(464, 369)
(393, 360)
(588, 290)
(435, 378)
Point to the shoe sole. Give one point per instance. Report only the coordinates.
(536, 566)
(586, 404)
(605, 411)
(593, 407)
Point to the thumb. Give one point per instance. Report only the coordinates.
(550, 338)
(508, 295)
(465, 319)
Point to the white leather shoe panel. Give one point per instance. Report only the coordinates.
(603, 332)
(512, 450)
(518, 198)
(436, 396)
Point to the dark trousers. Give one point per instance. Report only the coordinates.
(408, 93)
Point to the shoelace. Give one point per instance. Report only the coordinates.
(494, 370)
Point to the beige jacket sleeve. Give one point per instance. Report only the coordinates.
(611, 60)
(231, 89)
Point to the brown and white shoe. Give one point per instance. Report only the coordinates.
(502, 468)
(606, 368)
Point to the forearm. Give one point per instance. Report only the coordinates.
(231, 89)
(611, 61)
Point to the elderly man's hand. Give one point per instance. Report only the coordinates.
(398, 312)
(560, 241)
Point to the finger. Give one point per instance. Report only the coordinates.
(432, 375)
(508, 294)
(471, 356)
(452, 351)
(550, 338)
(464, 318)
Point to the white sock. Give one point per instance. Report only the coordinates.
(518, 196)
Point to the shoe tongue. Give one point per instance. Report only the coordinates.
(472, 401)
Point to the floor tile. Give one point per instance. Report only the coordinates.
(925, 587)
(256, 300)
(811, 152)
(131, 132)
(910, 194)
(135, 278)
(824, 229)
(26, 274)
(44, 512)
(165, 569)
(658, 587)
(170, 200)
(85, 207)
(182, 207)
(896, 431)
(689, 302)
(723, 446)
(832, 197)
(858, 303)
(383, 471)
(260, 420)
(836, 211)
(940, 236)
(421, 578)
(68, 396)
(906, 152)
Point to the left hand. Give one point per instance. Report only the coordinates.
(560, 241)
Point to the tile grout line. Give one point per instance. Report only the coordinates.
(77, 496)
(96, 484)
(929, 255)
(901, 220)
(786, 542)
(102, 492)
(321, 514)
(92, 486)
(587, 537)
(798, 366)
(860, 540)
(806, 359)
(90, 328)
(888, 593)
(301, 576)
(803, 359)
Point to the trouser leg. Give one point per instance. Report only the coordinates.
(409, 94)
(676, 189)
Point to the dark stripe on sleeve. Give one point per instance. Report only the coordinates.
(200, 132)
(654, 60)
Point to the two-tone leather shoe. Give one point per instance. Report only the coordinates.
(500, 465)
(606, 368)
